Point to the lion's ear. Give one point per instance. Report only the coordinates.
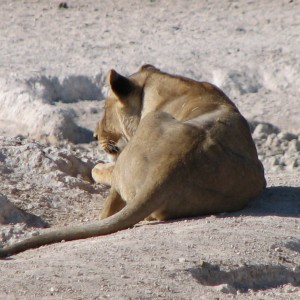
(147, 66)
(120, 85)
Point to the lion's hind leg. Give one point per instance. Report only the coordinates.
(113, 204)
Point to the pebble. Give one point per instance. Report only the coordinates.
(287, 136)
(226, 289)
(264, 129)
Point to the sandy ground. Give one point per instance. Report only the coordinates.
(52, 77)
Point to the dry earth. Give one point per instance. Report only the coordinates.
(52, 68)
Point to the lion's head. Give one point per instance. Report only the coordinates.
(122, 111)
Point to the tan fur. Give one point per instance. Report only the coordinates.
(102, 173)
(181, 149)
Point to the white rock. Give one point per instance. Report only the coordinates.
(293, 146)
(226, 289)
(287, 136)
(264, 129)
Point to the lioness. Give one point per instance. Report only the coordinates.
(181, 149)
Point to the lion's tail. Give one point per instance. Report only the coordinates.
(131, 214)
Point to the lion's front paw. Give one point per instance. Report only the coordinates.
(102, 173)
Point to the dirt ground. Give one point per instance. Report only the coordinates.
(53, 62)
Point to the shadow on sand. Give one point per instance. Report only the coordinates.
(281, 201)
(255, 277)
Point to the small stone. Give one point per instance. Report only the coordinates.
(293, 146)
(63, 5)
(287, 136)
(273, 161)
(291, 164)
(35, 233)
(264, 129)
(204, 264)
(258, 132)
(226, 289)
(53, 290)
(276, 142)
(269, 140)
